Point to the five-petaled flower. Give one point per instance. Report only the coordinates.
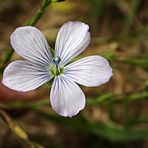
(66, 97)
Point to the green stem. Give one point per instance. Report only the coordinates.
(8, 56)
(39, 13)
(117, 99)
(102, 99)
(129, 18)
(19, 132)
(32, 22)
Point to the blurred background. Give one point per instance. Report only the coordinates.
(116, 114)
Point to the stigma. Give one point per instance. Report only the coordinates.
(56, 69)
(56, 61)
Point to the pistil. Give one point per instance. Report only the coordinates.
(56, 69)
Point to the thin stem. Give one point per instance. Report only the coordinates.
(8, 56)
(131, 16)
(32, 22)
(19, 133)
(102, 99)
(39, 13)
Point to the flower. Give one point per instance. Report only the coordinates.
(66, 97)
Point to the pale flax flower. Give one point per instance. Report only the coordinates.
(66, 97)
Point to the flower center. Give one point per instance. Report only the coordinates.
(56, 69)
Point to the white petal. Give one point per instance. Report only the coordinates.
(72, 39)
(23, 75)
(89, 71)
(67, 99)
(30, 43)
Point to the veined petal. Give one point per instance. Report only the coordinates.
(66, 97)
(23, 75)
(72, 39)
(30, 43)
(89, 71)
